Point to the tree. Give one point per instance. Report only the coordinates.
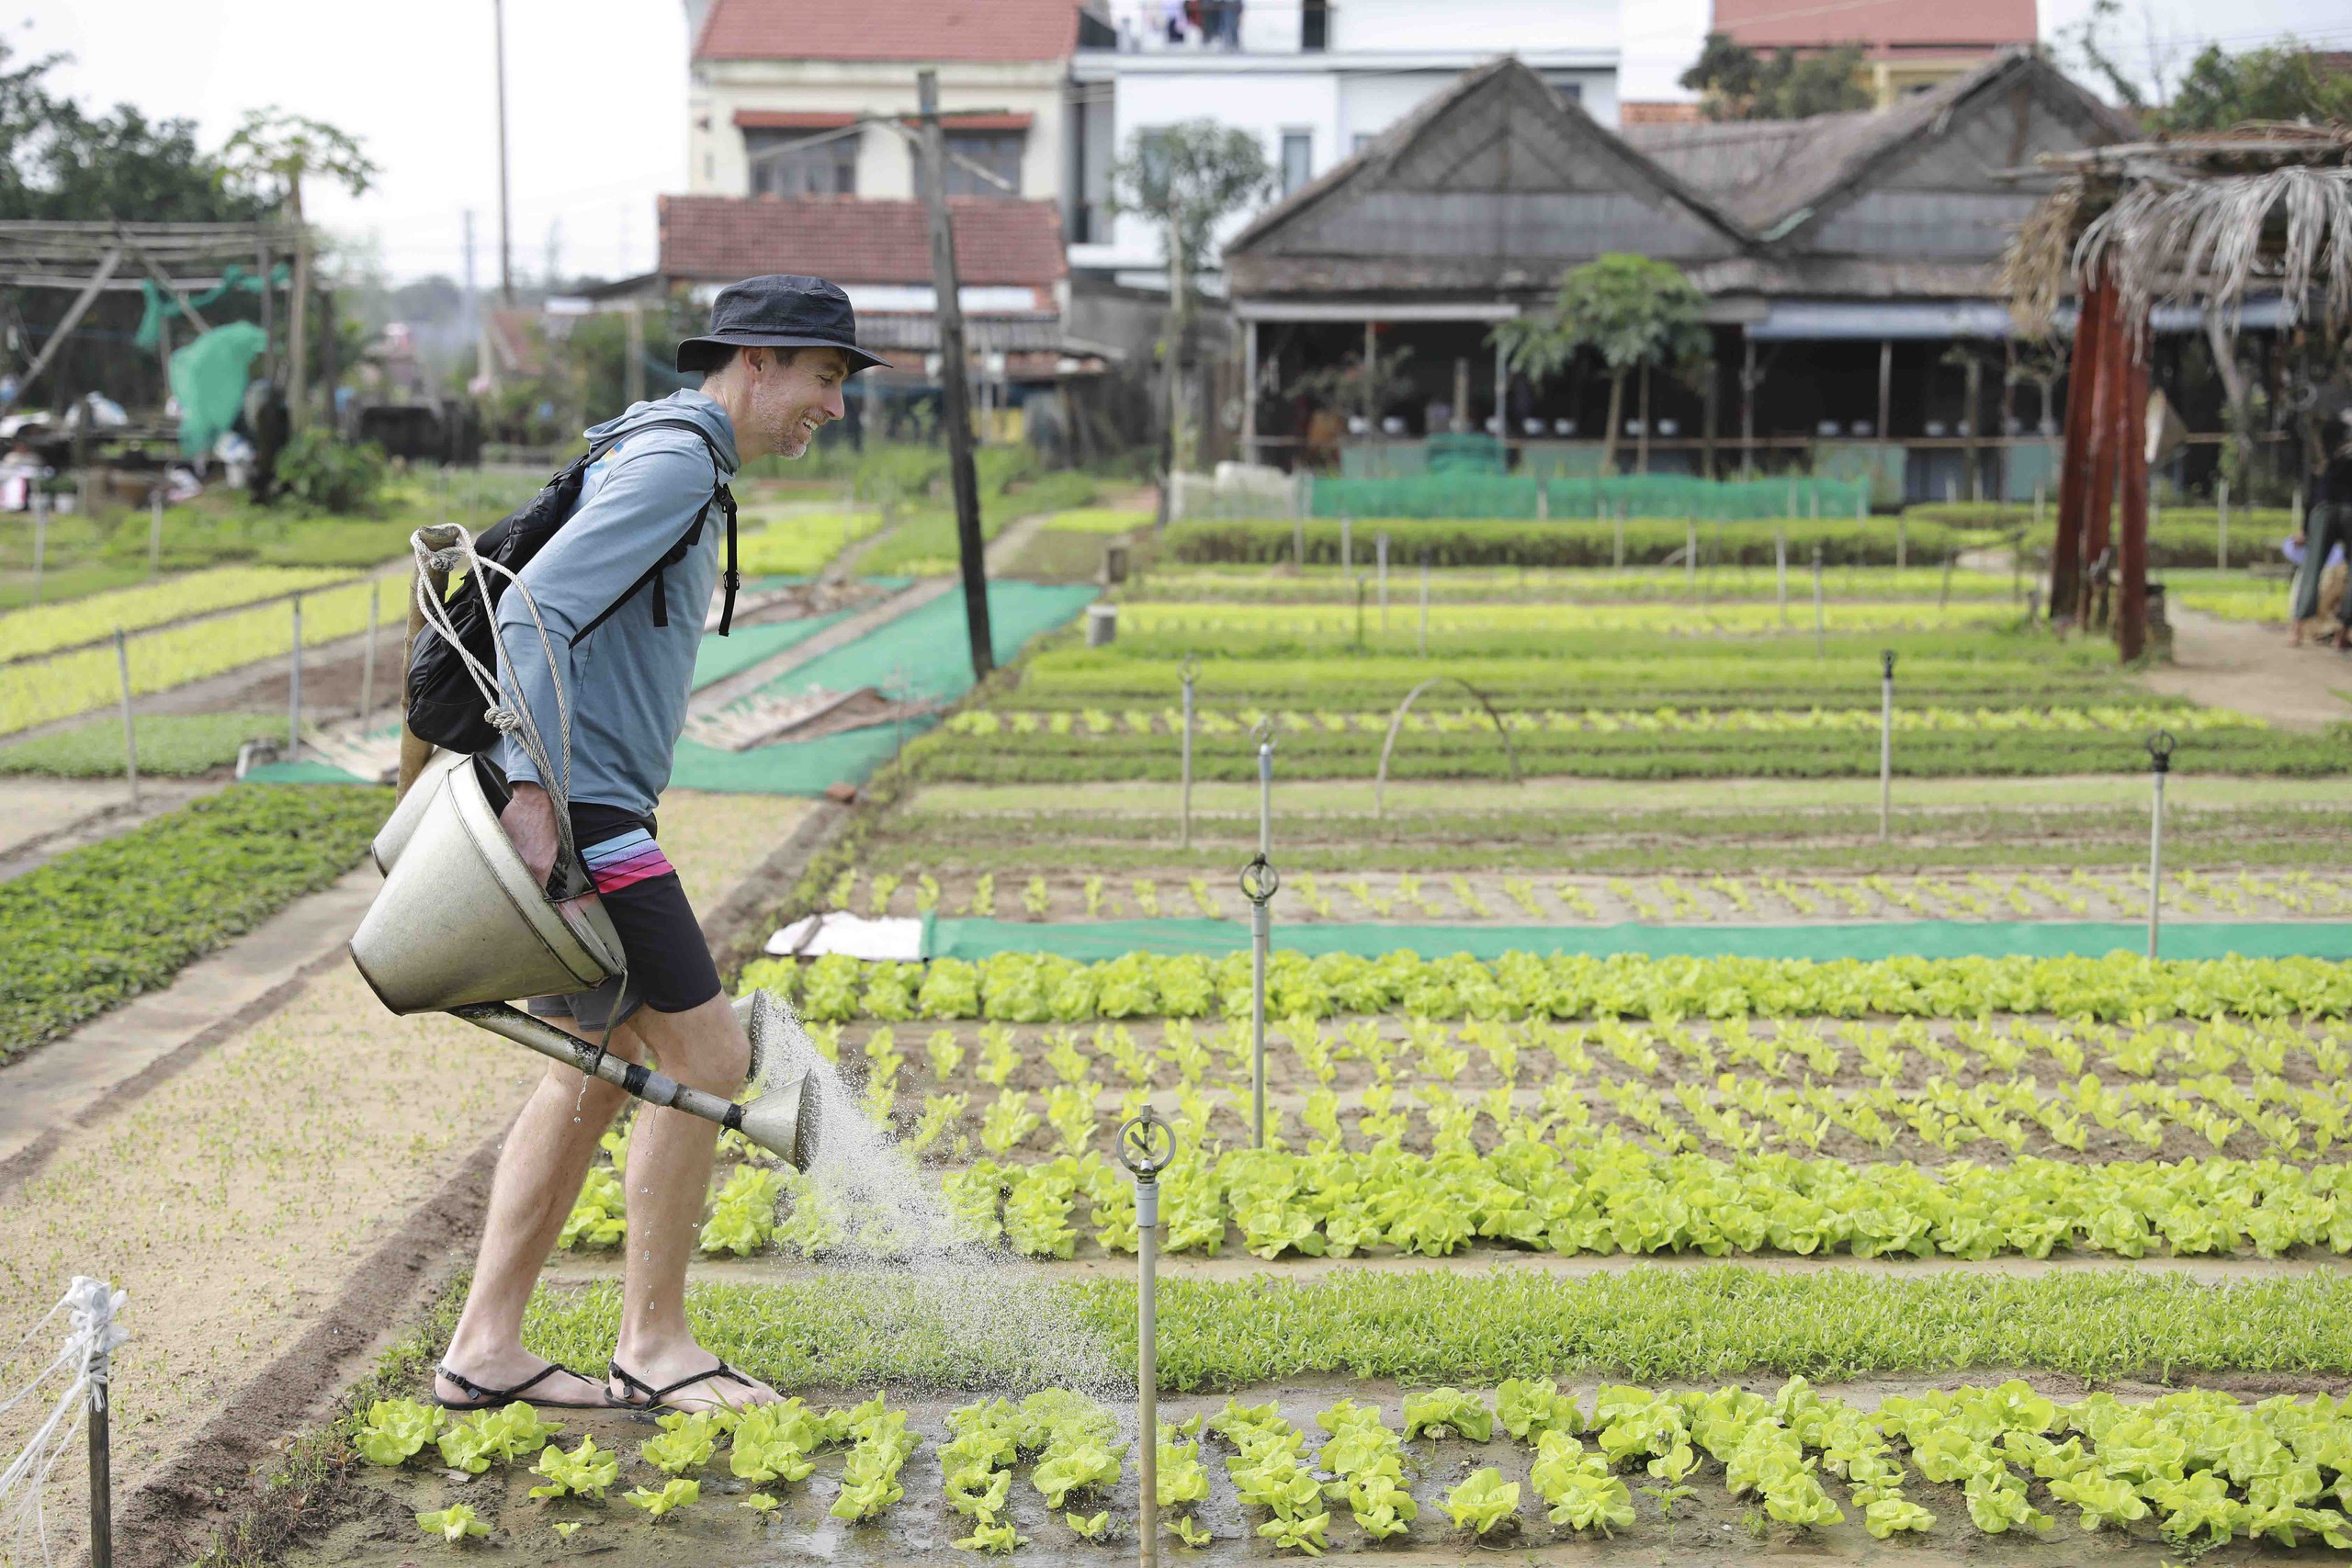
(2286, 82)
(1635, 313)
(1735, 82)
(59, 161)
(1188, 177)
(273, 147)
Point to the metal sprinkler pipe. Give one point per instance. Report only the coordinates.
(1885, 742)
(1191, 670)
(1820, 624)
(1146, 1145)
(2159, 748)
(1259, 881)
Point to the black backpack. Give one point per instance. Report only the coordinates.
(445, 706)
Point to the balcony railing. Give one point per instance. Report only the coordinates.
(1163, 26)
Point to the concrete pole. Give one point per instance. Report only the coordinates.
(294, 689)
(130, 735)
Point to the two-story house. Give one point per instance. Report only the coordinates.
(1315, 80)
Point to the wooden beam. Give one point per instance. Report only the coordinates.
(2132, 471)
(2099, 509)
(179, 295)
(73, 318)
(2074, 454)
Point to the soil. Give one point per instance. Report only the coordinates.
(41, 818)
(276, 1207)
(1711, 1526)
(2250, 667)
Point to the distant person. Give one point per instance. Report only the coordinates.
(2327, 525)
(626, 619)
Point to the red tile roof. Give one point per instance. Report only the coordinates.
(853, 240)
(1878, 25)
(997, 30)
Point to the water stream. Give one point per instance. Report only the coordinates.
(1010, 1327)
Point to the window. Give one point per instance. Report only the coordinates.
(1362, 140)
(1299, 159)
(998, 152)
(1314, 26)
(799, 162)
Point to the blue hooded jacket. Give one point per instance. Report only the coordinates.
(626, 683)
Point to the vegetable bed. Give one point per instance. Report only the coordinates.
(102, 923)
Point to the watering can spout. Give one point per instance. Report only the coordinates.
(782, 1121)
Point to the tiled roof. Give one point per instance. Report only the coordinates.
(992, 30)
(1878, 25)
(853, 240)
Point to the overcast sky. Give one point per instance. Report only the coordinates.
(596, 100)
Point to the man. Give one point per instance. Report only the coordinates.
(774, 363)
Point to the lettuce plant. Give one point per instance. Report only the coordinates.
(452, 1524)
(395, 1429)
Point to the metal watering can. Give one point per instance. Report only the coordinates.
(462, 926)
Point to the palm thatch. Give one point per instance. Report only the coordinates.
(2169, 229)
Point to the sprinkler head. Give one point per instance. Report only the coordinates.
(1260, 880)
(1190, 669)
(2160, 747)
(1886, 662)
(1147, 1142)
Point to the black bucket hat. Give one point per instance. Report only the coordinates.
(778, 310)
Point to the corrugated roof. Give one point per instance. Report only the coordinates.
(856, 239)
(1766, 171)
(996, 31)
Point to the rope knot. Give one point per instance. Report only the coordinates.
(507, 721)
(448, 559)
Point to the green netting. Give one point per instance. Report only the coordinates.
(721, 656)
(1101, 940)
(1462, 493)
(922, 654)
(209, 379)
(300, 773)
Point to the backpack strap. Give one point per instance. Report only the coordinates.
(654, 576)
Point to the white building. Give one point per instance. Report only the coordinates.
(1315, 80)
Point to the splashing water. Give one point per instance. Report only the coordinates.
(1004, 1324)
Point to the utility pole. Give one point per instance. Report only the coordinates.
(956, 392)
(505, 235)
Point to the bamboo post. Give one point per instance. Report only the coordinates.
(2222, 516)
(155, 531)
(40, 536)
(368, 657)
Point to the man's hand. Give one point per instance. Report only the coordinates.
(529, 821)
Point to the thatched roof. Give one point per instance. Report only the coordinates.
(2201, 220)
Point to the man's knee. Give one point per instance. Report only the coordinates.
(702, 1047)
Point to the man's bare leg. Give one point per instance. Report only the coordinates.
(669, 1172)
(540, 1170)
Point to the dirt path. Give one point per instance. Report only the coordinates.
(42, 817)
(2251, 668)
(239, 1200)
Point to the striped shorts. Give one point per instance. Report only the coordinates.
(670, 968)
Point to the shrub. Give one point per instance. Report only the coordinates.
(323, 473)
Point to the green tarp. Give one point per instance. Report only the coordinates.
(1099, 939)
(208, 379)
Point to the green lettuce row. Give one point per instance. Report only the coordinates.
(846, 1328)
(102, 923)
(1605, 1195)
(1022, 988)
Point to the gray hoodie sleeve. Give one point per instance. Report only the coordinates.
(657, 481)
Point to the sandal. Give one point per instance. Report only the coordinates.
(657, 1398)
(480, 1398)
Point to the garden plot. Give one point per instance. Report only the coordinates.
(1595, 1469)
(1405, 897)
